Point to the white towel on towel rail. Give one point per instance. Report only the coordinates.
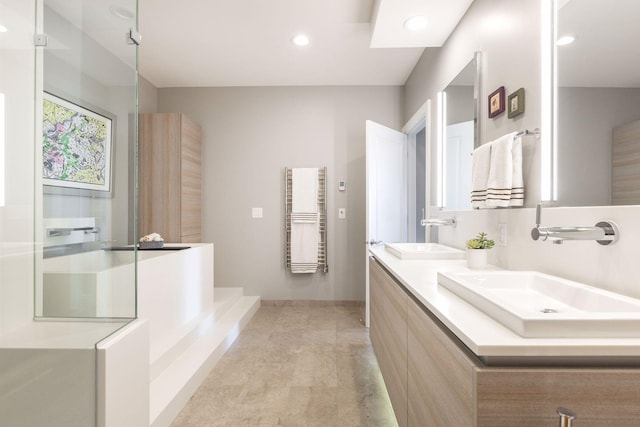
(305, 237)
(517, 185)
(304, 218)
(503, 187)
(304, 190)
(481, 162)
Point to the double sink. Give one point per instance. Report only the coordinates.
(538, 305)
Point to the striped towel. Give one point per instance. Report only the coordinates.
(480, 176)
(505, 184)
(305, 237)
(305, 220)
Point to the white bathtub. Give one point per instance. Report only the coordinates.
(101, 284)
(146, 371)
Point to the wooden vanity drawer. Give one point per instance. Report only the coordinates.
(388, 332)
(440, 383)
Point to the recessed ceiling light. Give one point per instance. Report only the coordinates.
(3, 29)
(300, 40)
(416, 23)
(121, 12)
(565, 40)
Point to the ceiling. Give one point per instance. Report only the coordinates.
(248, 42)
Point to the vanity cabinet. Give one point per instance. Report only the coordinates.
(442, 383)
(169, 177)
(388, 316)
(440, 388)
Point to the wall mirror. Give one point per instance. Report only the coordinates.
(460, 134)
(597, 102)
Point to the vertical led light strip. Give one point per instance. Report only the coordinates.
(554, 97)
(439, 150)
(2, 142)
(443, 149)
(548, 137)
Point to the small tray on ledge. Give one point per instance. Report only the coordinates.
(151, 245)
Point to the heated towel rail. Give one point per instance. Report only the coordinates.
(322, 210)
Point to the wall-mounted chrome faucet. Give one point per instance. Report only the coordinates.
(604, 232)
(439, 222)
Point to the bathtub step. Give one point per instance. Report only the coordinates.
(164, 350)
(173, 387)
(224, 299)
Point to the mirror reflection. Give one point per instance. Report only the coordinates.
(598, 102)
(459, 136)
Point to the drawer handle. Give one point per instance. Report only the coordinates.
(566, 416)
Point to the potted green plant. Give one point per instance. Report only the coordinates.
(477, 251)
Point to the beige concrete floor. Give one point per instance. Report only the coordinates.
(295, 364)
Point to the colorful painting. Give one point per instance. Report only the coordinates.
(76, 146)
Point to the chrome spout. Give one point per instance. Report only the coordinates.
(604, 232)
(568, 233)
(439, 222)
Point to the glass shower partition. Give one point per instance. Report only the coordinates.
(68, 132)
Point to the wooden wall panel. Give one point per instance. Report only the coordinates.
(169, 177)
(625, 159)
(191, 201)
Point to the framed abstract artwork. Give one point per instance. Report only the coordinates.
(76, 148)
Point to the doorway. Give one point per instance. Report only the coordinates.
(397, 184)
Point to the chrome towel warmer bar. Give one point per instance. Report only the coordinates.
(322, 210)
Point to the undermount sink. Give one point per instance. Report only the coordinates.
(539, 305)
(423, 251)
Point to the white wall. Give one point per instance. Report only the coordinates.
(459, 104)
(249, 136)
(147, 96)
(613, 267)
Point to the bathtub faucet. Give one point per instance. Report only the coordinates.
(604, 232)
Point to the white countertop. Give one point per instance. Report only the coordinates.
(483, 335)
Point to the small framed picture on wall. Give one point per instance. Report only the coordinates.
(496, 102)
(515, 103)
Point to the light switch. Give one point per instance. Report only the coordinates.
(342, 213)
(342, 186)
(256, 213)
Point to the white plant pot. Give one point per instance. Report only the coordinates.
(477, 258)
